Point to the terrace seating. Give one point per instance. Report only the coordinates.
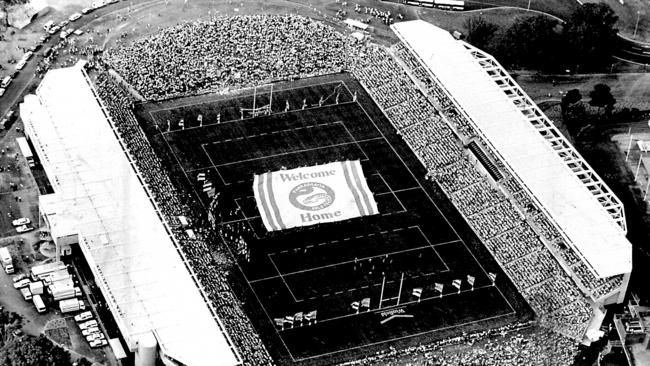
(212, 278)
(503, 229)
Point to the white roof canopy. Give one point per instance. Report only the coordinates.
(146, 282)
(504, 123)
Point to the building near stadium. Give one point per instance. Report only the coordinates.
(101, 204)
(583, 209)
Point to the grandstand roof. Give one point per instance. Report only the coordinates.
(147, 283)
(585, 211)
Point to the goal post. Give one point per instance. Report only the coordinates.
(260, 103)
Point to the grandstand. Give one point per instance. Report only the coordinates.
(577, 217)
(100, 197)
(484, 212)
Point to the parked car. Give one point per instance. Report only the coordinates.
(90, 331)
(21, 283)
(2, 91)
(24, 229)
(94, 335)
(54, 29)
(90, 323)
(74, 17)
(28, 55)
(21, 64)
(21, 221)
(86, 10)
(83, 316)
(98, 343)
(20, 277)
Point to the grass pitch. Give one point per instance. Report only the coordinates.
(416, 241)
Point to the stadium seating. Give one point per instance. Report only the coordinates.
(211, 276)
(505, 227)
(261, 49)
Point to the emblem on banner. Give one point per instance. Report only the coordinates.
(311, 196)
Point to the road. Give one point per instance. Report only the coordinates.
(633, 51)
(26, 78)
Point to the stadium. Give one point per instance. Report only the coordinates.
(347, 199)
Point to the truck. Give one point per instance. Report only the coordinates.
(25, 150)
(64, 292)
(71, 305)
(36, 287)
(43, 270)
(7, 261)
(27, 295)
(57, 276)
(38, 302)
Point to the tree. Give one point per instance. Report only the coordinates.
(573, 96)
(480, 32)
(531, 42)
(83, 362)
(33, 351)
(601, 97)
(591, 35)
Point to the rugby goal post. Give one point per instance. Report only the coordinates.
(262, 102)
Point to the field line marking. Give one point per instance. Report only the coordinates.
(434, 204)
(259, 301)
(219, 97)
(213, 166)
(295, 152)
(274, 132)
(184, 172)
(283, 280)
(433, 247)
(401, 337)
(348, 261)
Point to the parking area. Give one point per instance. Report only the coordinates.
(19, 191)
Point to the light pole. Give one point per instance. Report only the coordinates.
(528, 5)
(638, 17)
(638, 166)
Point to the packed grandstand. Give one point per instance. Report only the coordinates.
(558, 281)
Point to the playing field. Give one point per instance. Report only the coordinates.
(415, 242)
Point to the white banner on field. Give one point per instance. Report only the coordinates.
(313, 195)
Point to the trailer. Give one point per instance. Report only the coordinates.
(38, 302)
(36, 287)
(64, 292)
(43, 270)
(71, 305)
(23, 145)
(7, 261)
(56, 276)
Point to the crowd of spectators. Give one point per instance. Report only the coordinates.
(436, 136)
(516, 344)
(259, 49)
(234, 51)
(210, 273)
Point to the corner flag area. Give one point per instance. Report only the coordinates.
(342, 246)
